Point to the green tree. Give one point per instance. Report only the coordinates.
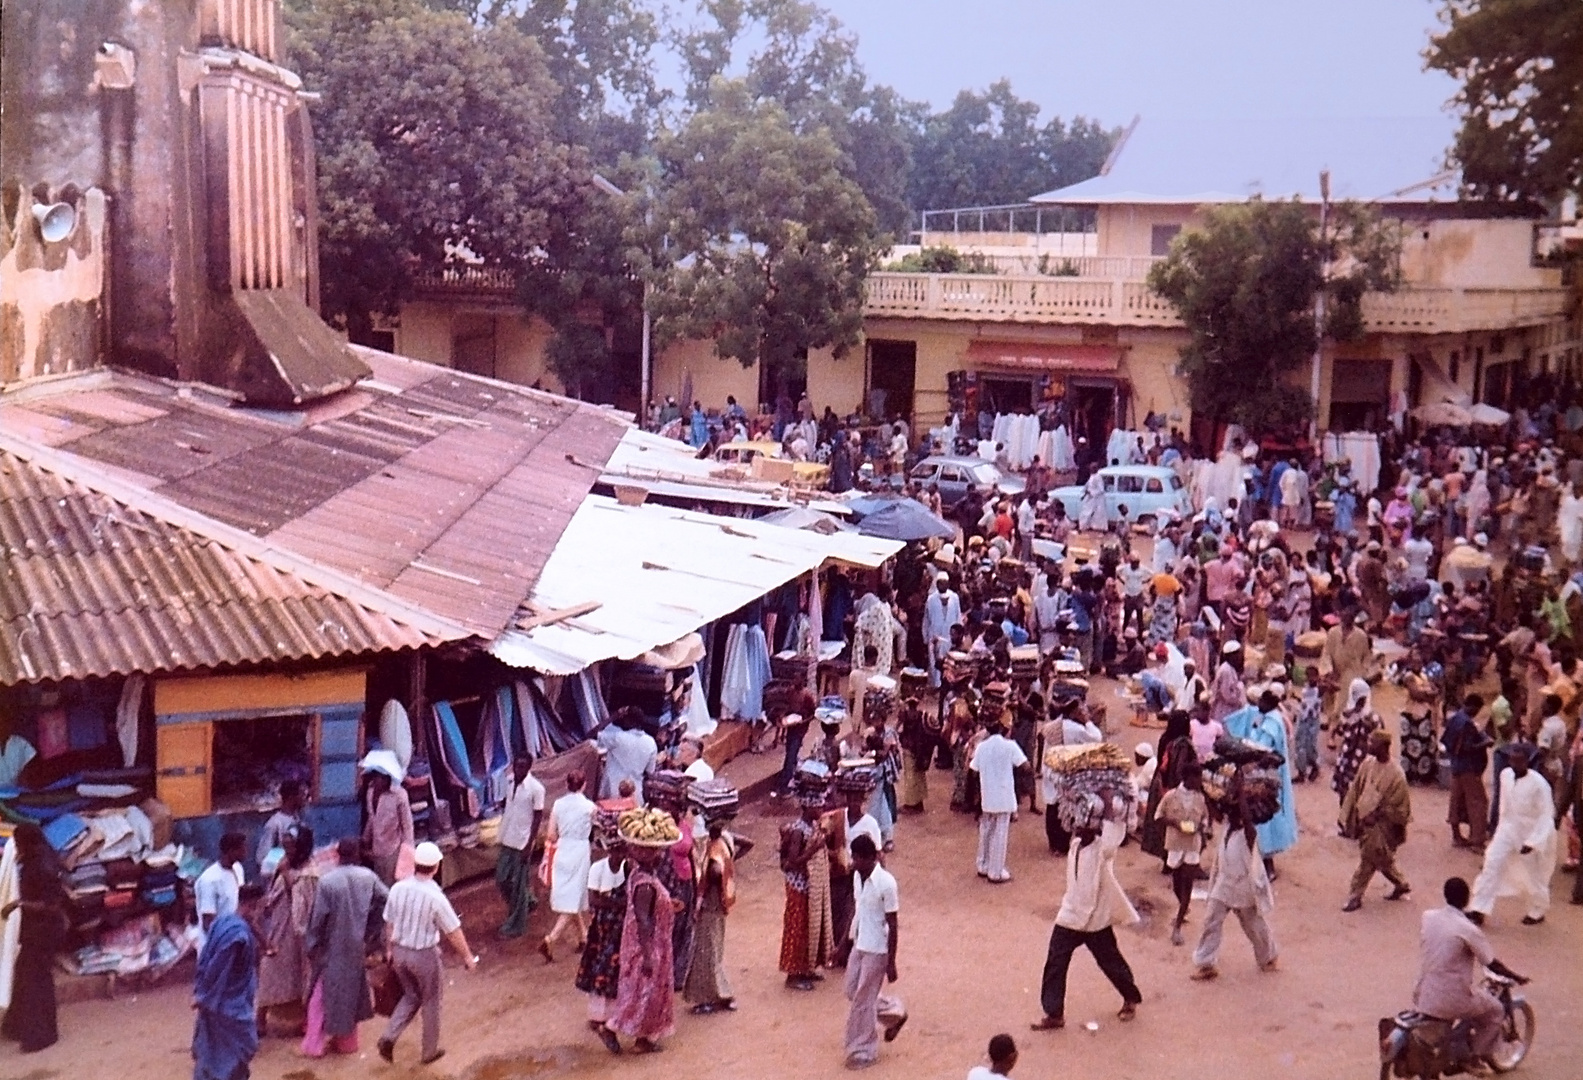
(1520, 63)
(768, 241)
(1245, 284)
(435, 140)
(989, 149)
(805, 61)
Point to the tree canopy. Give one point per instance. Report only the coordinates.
(436, 136)
(1520, 63)
(988, 149)
(1245, 284)
(469, 131)
(768, 243)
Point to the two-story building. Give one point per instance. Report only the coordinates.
(1476, 312)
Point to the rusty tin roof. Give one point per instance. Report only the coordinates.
(92, 587)
(442, 491)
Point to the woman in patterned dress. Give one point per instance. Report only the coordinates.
(599, 972)
(645, 1005)
(1358, 722)
(806, 929)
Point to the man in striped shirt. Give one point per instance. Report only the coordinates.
(417, 916)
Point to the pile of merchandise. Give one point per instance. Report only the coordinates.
(879, 699)
(715, 799)
(1092, 782)
(1255, 768)
(667, 789)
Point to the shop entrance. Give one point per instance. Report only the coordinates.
(892, 378)
(1094, 411)
(998, 395)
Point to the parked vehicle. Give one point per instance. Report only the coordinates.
(1415, 1045)
(954, 474)
(1146, 490)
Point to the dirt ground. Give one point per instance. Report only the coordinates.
(971, 955)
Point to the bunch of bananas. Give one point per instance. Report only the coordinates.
(649, 825)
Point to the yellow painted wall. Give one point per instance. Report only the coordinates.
(520, 342)
(1488, 254)
(840, 384)
(1129, 229)
(713, 377)
(1149, 364)
(424, 332)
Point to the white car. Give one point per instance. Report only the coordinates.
(1146, 490)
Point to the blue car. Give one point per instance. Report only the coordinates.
(1146, 490)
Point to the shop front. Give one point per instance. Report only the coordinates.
(223, 744)
(1003, 378)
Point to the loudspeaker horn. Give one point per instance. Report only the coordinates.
(55, 221)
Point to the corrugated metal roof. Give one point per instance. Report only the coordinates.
(442, 490)
(93, 587)
(1189, 161)
(657, 575)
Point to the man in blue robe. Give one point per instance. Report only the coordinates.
(225, 1037)
(1264, 726)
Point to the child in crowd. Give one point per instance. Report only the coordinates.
(1186, 815)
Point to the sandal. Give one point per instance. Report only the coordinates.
(544, 951)
(1048, 1023)
(1128, 1011)
(645, 1046)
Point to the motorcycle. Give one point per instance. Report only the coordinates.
(1413, 1044)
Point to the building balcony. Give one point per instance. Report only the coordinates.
(1125, 301)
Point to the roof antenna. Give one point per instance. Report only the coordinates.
(1115, 151)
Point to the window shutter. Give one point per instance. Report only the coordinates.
(183, 755)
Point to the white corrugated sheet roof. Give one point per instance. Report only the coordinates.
(1179, 161)
(658, 574)
(672, 469)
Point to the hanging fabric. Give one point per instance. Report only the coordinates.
(699, 723)
(126, 718)
(452, 751)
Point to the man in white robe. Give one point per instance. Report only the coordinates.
(942, 609)
(1522, 856)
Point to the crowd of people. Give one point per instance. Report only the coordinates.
(1253, 632)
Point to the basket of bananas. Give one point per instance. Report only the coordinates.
(648, 827)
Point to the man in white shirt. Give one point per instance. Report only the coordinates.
(1239, 884)
(630, 753)
(996, 761)
(216, 890)
(690, 756)
(1194, 693)
(869, 953)
(518, 826)
(1521, 856)
(1134, 579)
(417, 916)
(1092, 907)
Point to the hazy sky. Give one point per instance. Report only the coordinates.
(1109, 59)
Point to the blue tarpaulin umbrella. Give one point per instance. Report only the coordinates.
(905, 519)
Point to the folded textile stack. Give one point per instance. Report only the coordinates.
(716, 799)
(667, 789)
(958, 666)
(1025, 662)
(879, 698)
(1242, 752)
(90, 960)
(85, 889)
(811, 783)
(1092, 782)
(857, 776)
(831, 710)
(1261, 786)
(790, 667)
(159, 887)
(467, 836)
(489, 831)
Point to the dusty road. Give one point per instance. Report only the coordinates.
(970, 960)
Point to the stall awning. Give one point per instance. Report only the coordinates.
(1040, 356)
(657, 574)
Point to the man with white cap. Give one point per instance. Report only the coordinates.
(941, 611)
(417, 915)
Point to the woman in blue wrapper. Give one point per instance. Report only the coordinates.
(225, 1036)
(1265, 726)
